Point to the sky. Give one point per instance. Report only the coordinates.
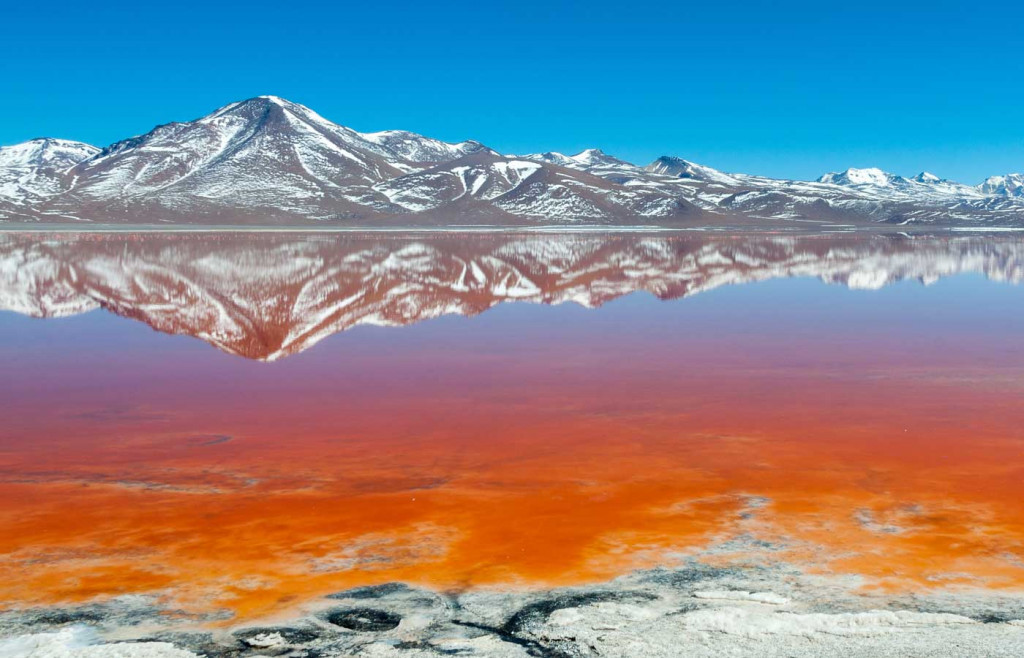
(790, 89)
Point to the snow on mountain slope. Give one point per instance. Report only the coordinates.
(263, 152)
(679, 168)
(924, 185)
(46, 152)
(555, 158)
(266, 160)
(410, 147)
(523, 188)
(593, 161)
(944, 186)
(854, 195)
(34, 170)
(585, 160)
(597, 157)
(479, 177)
(1010, 185)
(852, 176)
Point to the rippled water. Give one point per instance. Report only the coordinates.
(319, 412)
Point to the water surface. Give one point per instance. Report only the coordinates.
(458, 411)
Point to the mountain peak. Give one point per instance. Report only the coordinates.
(592, 157)
(46, 152)
(413, 147)
(926, 177)
(553, 157)
(596, 157)
(269, 99)
(679, 168)
(669, 160)
(856, 176)
(1006, 185)
(258, 107)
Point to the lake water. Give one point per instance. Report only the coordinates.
(239, 423)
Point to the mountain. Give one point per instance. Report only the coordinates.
(268, 161)
(45, 153)
(679, 168)
(420, 150)
(1010, 185)
(502, 189)
(584, 160)
(871, 177)
(264, 156)
(924, 186)
(270, 295)
(33, 171)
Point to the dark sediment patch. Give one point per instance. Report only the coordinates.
(538, 612)
(62, 616)
(368, 620)
(685, 578)
(995, 618)
(987, 610)
(201, 643)
(561, 648)
(517, 628)
(372, 591)
(985, 616)
(420, 645)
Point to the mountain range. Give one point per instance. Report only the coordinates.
(268, 161)
(271, 295)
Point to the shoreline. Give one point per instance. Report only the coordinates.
(761, 608)
(830, 229)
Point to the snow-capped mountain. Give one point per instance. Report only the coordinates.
(33, 171)
(264, 155)
(486, 186)
(1010, 185)
(872, 177)
(45, 152)
(270, 295)
(422, 150)
(585, 159)
(679, 168)
(924, 186)
(266, 160)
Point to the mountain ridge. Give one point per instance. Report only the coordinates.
(266, 160)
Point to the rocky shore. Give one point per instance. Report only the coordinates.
(692, 610)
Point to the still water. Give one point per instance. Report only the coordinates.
(239, 423)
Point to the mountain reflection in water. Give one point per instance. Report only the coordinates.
(269, 296)
(874, 436)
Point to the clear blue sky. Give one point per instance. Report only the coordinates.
(785, 89)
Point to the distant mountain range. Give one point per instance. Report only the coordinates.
(269, 296)
(267, 161)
